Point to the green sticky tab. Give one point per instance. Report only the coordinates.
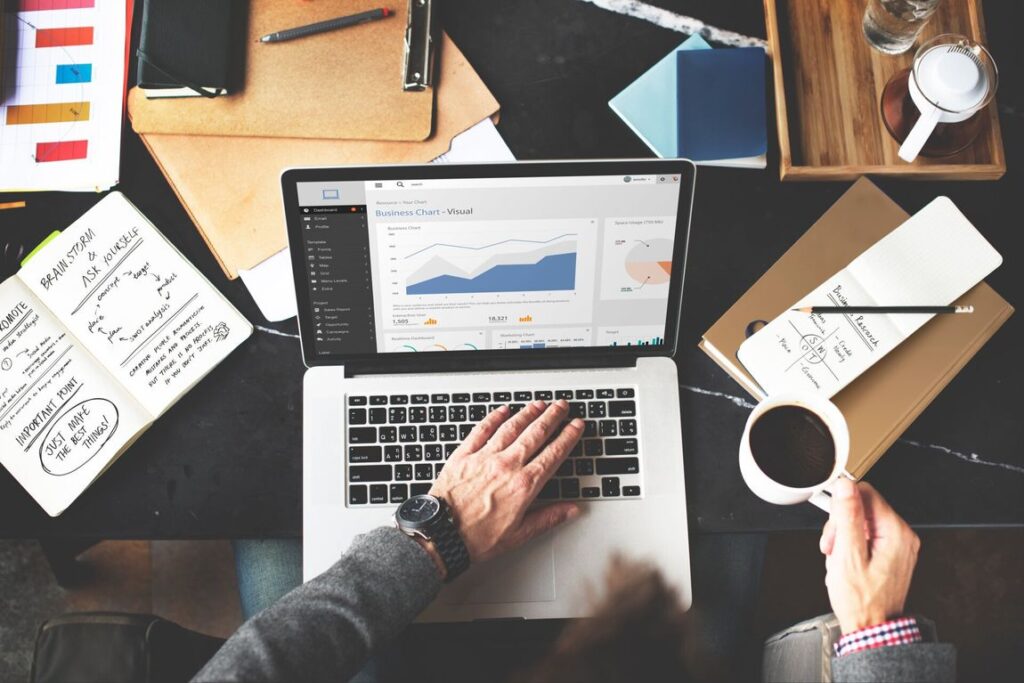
(52, 236)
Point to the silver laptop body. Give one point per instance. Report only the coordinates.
(428, 295)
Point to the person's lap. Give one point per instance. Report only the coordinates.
(726, 571)
(266, 570)
(726, 576)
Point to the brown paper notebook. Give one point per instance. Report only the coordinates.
(340, 84)
(881, 403)
(231, 188)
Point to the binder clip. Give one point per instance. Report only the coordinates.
(420, 46)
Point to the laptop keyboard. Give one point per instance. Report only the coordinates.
(398, 443)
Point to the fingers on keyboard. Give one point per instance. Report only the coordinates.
(550, 459)
(398, 444)
(514, 426)
(480, 434)
(539, 431)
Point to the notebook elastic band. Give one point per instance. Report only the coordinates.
(175, 77)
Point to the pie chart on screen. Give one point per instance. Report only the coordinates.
(649, 262)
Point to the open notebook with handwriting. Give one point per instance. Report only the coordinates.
(101, 331)
(931, 259)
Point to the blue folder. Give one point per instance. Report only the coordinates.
(720, 109)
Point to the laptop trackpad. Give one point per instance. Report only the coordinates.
(524, 575)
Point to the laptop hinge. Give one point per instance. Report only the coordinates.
(418, 366)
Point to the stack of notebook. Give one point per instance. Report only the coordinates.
(882, 402)
(702, 104)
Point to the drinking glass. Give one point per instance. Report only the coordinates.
(892, 26)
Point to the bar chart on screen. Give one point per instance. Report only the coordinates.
(546, 338)
(61, 92)
(631, 335)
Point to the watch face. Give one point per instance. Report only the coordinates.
(419, 509)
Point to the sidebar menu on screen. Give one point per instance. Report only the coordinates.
(336, 253)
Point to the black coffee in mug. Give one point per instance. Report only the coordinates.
(793, 446)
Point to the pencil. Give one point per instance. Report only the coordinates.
(328, 25)
(12, 205)
(933, 310)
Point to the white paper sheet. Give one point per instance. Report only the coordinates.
(271, 286)
(270, 283)
(61, 101)
(481, 142)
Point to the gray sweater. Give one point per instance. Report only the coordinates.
(932, 662)
(326, 629)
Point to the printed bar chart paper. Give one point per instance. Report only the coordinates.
(62, 151)
(58, 112)
(74, 73)
(64, 37)
(61, 104)
(45, 5)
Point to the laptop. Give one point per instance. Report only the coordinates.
(430, 295)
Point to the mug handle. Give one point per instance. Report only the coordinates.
(919, 135)
(823, 499)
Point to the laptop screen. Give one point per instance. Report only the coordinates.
(417, 264)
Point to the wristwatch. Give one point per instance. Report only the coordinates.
(430, 518)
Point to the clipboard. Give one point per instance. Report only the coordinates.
(346, 84)
(230, 185)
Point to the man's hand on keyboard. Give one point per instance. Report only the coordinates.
(493, 477)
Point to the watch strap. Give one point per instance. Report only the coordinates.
(450, 547)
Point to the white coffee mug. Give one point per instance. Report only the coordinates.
(772, 491)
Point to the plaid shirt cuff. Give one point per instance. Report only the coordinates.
(902, 631)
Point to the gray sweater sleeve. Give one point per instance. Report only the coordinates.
(325, 629)
(934, 662)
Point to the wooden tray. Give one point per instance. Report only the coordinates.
(828, 84)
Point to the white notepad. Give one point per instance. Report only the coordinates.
(102, 331)
(931, 260)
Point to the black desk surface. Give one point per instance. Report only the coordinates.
(227, 460)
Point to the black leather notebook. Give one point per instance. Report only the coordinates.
(188, 47)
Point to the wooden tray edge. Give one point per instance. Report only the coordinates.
(931, 172)
(771, 21)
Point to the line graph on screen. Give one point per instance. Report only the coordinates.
(507, 265)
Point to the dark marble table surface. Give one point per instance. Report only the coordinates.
(227, 461)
